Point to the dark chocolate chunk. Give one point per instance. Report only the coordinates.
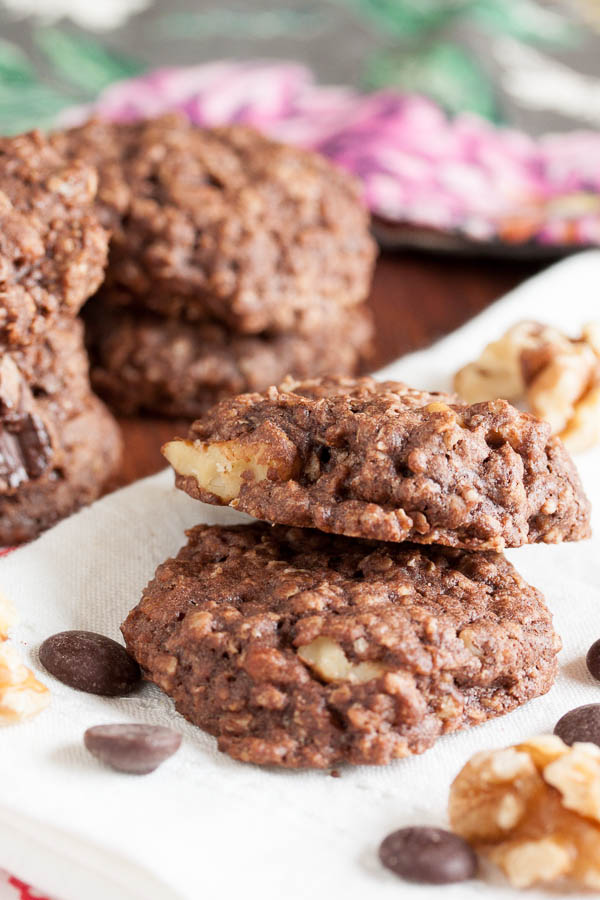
(26, 449)
(581, 724)
(133, 748)
(428, 855)
(90, 662)
(85, 457)
(593, 660)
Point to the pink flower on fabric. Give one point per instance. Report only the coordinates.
(418, 167)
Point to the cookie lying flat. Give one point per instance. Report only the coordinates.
(52, 246)
(56, 468)
(141, 361)
(380, 460)
(299, 649)
(224, 222)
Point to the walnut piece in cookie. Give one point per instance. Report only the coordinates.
(556, 377)
(383, 461)
(534, 810)
(302, 649)
(21, 694)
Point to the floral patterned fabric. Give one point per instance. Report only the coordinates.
(468, 120)
(461, 175)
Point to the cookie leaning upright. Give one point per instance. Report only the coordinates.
(58, 443)
(383, 461)
(52, 247)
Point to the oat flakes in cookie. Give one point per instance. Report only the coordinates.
(52, 246)
(224, 222)
(301, 649)
(383, 461)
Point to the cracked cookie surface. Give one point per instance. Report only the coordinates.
(52, 246)
(301, 649)
(383, 461)
(224, 222)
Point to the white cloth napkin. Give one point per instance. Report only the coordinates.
(204, 826)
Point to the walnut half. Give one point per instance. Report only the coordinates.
(534, 810)
(222, 467)
(327, 660)
(556, 377)
(21, 694)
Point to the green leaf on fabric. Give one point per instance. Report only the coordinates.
(407, 18)
(84, 62)
(528, 20)
(259, 24)
(29, 105)
(15, 68)
(443, 71)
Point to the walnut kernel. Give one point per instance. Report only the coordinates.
(533, 810)
(222, 467)
(327, 659)
(8, 616)
(21, 694)
(556, 377)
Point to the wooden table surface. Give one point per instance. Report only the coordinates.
(416, 298)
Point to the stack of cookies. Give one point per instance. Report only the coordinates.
(378, 612)
(58, 443)
(233, 261)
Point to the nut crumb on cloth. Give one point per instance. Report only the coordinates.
(21, 694)
(534, 810)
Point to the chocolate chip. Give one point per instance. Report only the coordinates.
(428, 855)
(90, 662)
(138, 749)
(593, 660)
(26, 449)
(580, 724)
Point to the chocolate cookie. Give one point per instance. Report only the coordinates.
(55, 365)
(224, 223)
(142, 361)
(384, 461)
(52, 247)
(42, 386)
(55, 470)
(302, 649)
